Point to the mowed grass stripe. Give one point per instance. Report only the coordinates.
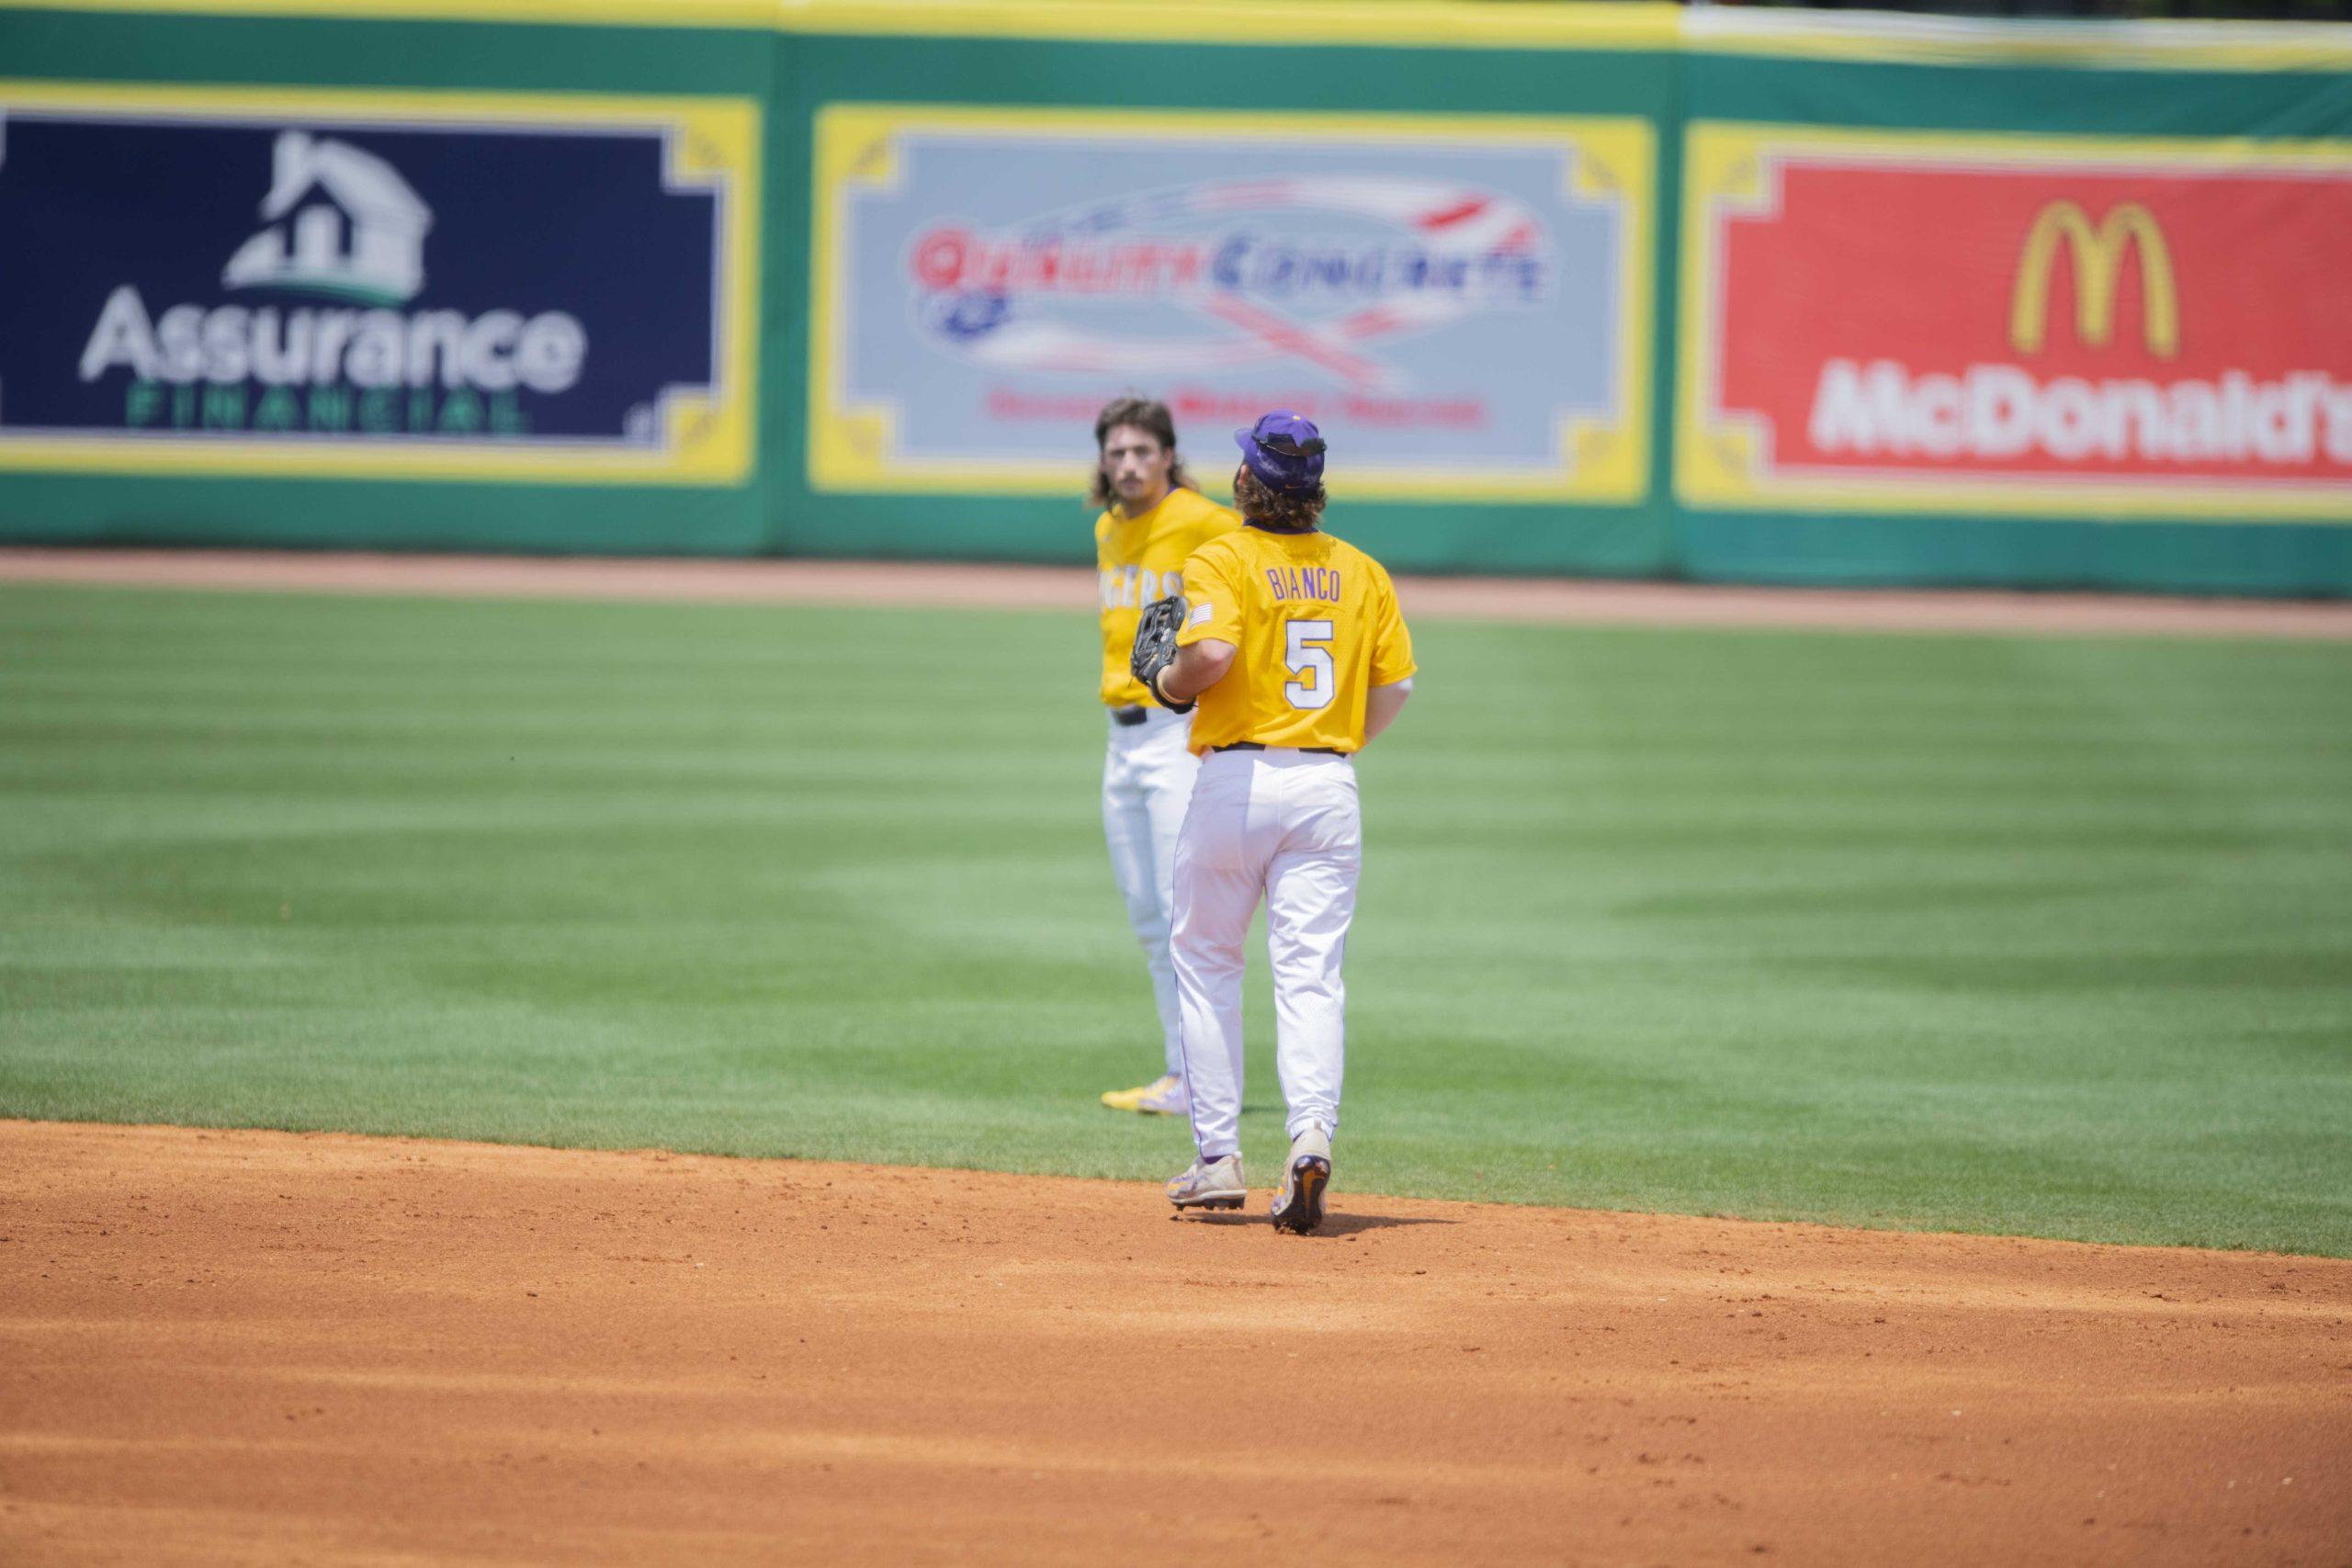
(2035, 935)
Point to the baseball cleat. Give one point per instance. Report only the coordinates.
(1298, 1206)
(1210, 1184)
(1166, 1098)
(1163, 1097)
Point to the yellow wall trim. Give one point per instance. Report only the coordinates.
(750, 14)
(1641, 25)
(1953, 41)
(1407, 23)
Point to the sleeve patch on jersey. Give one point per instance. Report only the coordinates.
(1200, 614)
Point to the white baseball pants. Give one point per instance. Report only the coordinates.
(1147, 783)
(1282, 826)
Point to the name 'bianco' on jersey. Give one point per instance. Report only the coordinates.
(1316, 626)
(1141, 558)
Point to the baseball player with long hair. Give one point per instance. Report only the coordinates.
(1291, 643)
(1151, 520)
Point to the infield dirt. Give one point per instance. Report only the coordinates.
(269, 1348)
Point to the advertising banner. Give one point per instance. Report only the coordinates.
(1907, 322)
(1460, 302)
(410, 285)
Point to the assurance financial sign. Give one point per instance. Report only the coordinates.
(2037, 325)
(422, 286)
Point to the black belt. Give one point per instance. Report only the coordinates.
(1128, 717)
(1260, 746)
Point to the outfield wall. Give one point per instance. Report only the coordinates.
(1605, 289)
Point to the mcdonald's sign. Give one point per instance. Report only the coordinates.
(1888, 321)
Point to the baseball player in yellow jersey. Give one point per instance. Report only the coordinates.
(1151, 520)
(1292, 645)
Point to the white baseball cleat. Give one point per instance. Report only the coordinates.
(1298, 1206)
(1210, 1184)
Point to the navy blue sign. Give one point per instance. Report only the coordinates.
(298, 282)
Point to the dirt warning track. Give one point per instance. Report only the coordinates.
(265, 1347)
(1533, 600)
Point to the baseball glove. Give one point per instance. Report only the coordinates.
(1155, 646)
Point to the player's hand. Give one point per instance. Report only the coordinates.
(1155, 647)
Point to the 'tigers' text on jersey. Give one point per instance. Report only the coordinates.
(1132, 587)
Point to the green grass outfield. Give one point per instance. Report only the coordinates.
(2007, 935)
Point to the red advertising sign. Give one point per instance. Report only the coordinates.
(1894, 321)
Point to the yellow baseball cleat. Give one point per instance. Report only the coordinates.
(1164, 1096)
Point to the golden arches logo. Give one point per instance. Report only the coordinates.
(2098, 265)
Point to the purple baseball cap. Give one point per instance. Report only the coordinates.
(1284, 451)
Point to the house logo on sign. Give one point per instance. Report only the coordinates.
(341, 222)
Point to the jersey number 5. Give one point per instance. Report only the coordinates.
(1309, 657)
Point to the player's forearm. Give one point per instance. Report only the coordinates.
(1381, 705)
(1196, 669)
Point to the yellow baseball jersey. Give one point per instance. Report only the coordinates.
(1315, 624)
(1141, 558)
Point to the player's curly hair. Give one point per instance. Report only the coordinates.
(1153, 419)
(1268, 508)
